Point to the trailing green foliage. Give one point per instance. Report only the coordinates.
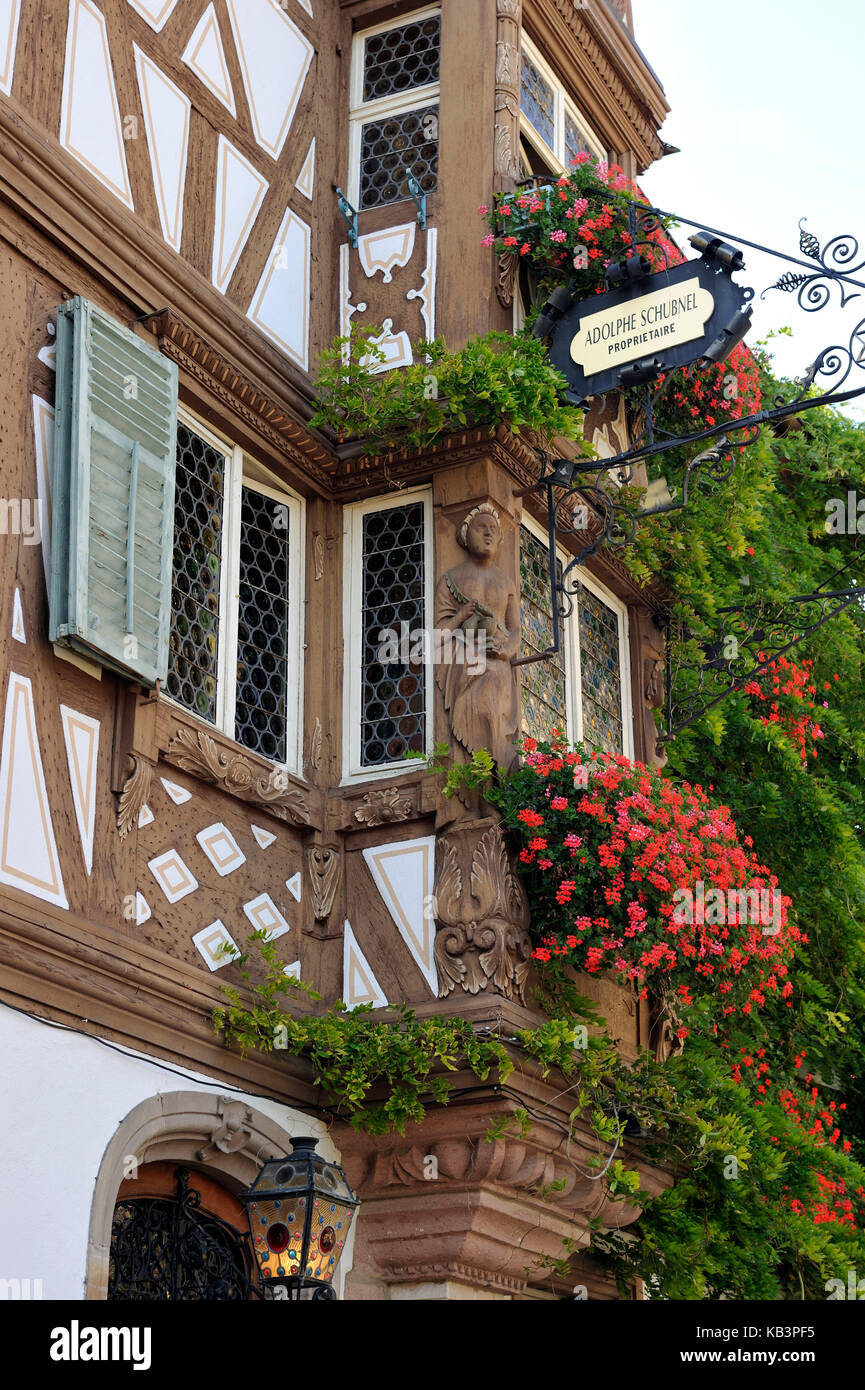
(501, 378)
(381, 1073)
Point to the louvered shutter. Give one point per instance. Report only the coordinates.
(113, 494)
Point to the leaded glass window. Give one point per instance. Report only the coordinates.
(402, 58)
(575, 141)
(393, 148)
(395, 113)
(552, 125)
(600, 672)
(262, 629)
(235, 604)
(393, 610)
(544, 694)
(538, 100)
(592, 653)
(194, 644)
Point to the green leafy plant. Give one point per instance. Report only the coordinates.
(498, 379)
(382, 1072)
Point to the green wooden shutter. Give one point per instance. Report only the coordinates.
(113, 494)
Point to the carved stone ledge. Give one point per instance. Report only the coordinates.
(462, 447)
(194, 751)
(483, 942)
(458, 1273)
(444, 1203)
(367, 807)
(384, 807)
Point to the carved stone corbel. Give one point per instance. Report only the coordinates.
(482, 942)
(233, 1134)
(196, 752)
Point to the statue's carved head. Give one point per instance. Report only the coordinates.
(481, 532)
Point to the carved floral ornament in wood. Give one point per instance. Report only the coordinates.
(484, 940)
(384, 806)
(197, 753)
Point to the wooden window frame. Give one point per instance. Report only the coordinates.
(243, 470)
(353, 515)
(360, 112)
(570, 639)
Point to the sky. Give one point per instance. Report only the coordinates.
(767, 106)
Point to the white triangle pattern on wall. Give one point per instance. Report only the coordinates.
(306, 178)
(403, 873)
(205, 55)
(240, 190)
(263, 838)
(280, 305)
(90, 126)
(275, 58)
(18, 619)
(43, 433)
(81, 735)
(156, 12)
(359, 985)
(166, 119)
(28, 850)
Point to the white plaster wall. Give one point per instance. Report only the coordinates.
(62, 1097)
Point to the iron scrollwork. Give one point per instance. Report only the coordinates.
(836, 261)
(167, 1248)
(751, 637)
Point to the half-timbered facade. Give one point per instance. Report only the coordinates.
(198, 737)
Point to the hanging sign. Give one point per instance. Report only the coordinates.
(664, 320)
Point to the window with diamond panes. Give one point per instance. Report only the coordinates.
(262, 629)
(251, 697)
(393, 694)
(600, 672)
(395, 112)
(544, 691)
(538, 100)
(552, 127)
(198, 509)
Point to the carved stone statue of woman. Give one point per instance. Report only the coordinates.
(479, 604)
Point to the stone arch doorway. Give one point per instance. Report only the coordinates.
(217, 1139)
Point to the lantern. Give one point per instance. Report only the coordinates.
(299, 1209)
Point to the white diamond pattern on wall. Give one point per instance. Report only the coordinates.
(172, 875)
(221, 848)
(216, 945)
(265, 916)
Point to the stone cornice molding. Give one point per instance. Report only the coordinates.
(359, 475)
(195, 356)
